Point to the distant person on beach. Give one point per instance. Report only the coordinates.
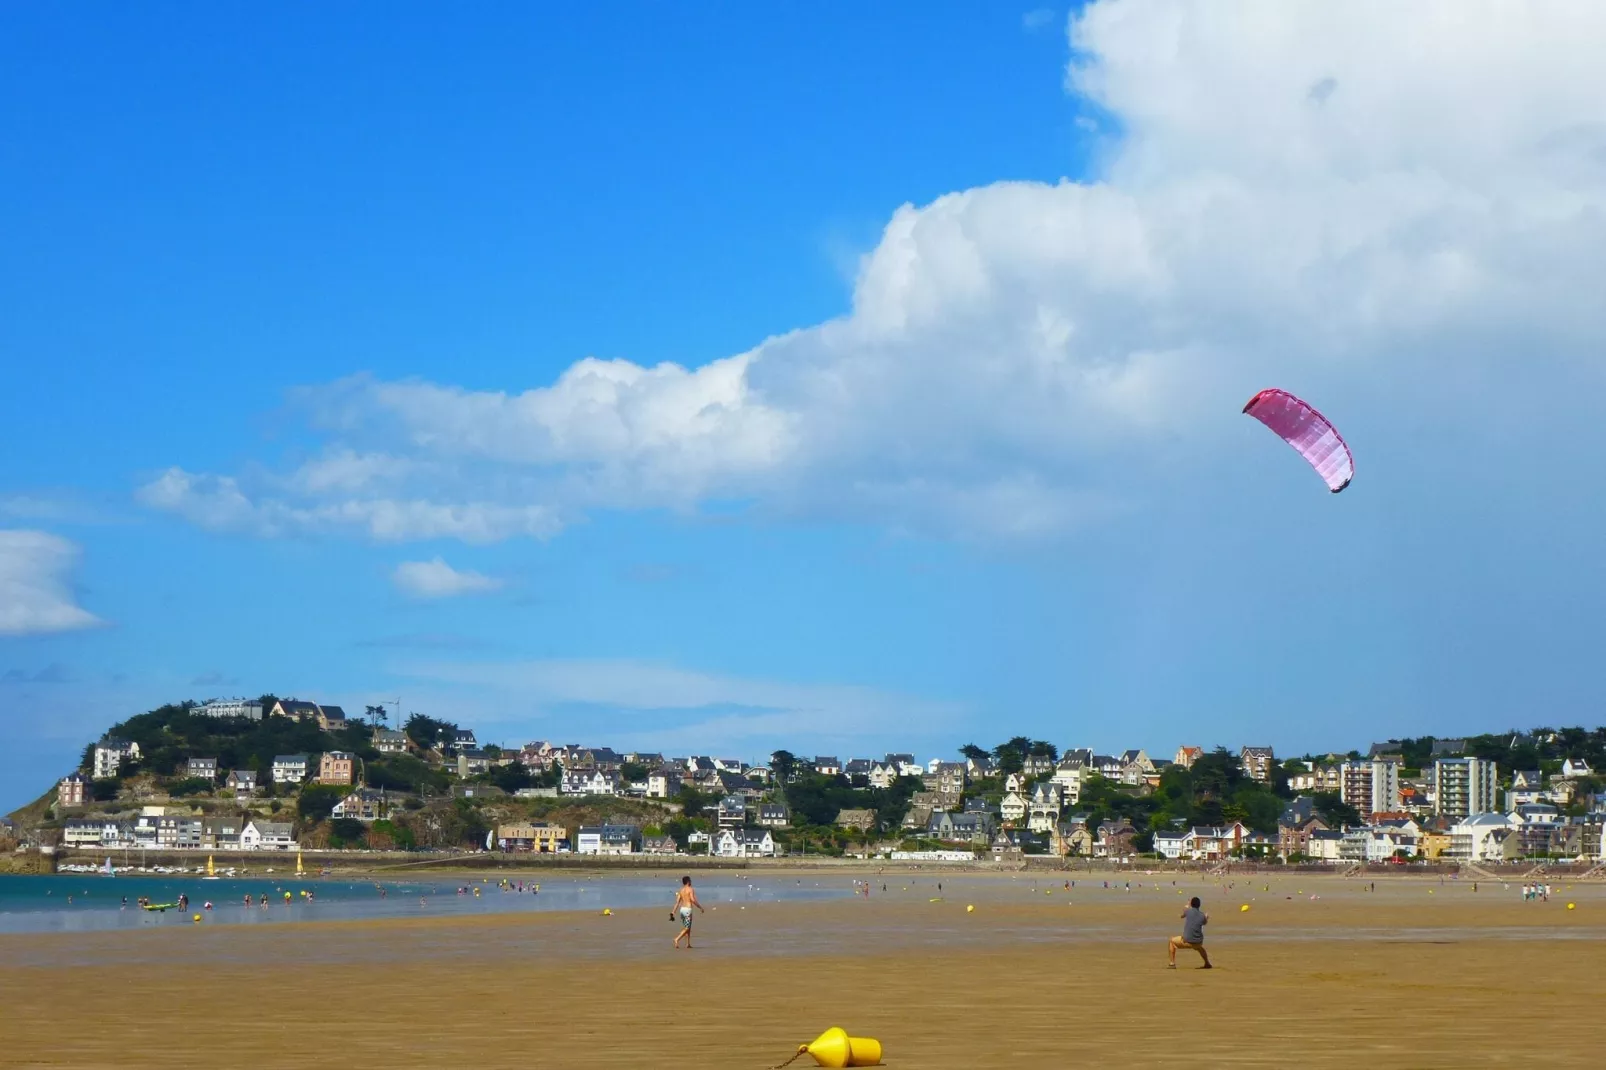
(1192, 938)
(685, 899)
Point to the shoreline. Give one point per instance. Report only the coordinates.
(402, 865)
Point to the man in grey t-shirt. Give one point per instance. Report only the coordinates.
(1193, 923)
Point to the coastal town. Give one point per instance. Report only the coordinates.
(202, 777)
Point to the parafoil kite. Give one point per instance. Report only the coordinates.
(1309, 432)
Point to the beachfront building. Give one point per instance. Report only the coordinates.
(73, 790)
(94, 832)
(1257, 763)
(1073, 837)
(261, 835)
(744, 843)
(659, 845)
(972, 827)
(336, 767)
(289, 768)
(1464, 787)
(538, 837)
(110, 753)
(178, 832)
(145, 827)
(1483, 838)
(606, 840)
(221, 833)
(1293, 836)
(1540, 830)
(1371, 785)
(244, 709)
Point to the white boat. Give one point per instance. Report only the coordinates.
(107, 868)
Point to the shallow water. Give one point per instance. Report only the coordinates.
(86, 903)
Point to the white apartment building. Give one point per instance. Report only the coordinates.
(1371, 785)
(1464, 787)
(235, 707)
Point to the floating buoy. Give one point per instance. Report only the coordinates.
(834, 1048)
(970, 909)
(197, 918)
(607, 912)
(1572, 906)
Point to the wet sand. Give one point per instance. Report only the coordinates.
(1418, 974)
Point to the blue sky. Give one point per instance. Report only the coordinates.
(297, 305)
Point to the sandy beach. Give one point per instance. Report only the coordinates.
(1418, 973)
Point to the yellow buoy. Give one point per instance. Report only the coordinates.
(1572, 906)
(834, 1048)
(970, 909)
(1244, 909)
(197, 917)
(607, 912)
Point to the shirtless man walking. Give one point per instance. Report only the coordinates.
(685, 899)
(1192, 938)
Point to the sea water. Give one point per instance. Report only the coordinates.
(86, 902)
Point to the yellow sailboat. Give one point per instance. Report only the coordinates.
(300, 872)
(211, 874)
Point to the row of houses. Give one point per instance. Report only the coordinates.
(610, 839)
(156, 830)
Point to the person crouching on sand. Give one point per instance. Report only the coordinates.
(1193, 923)
(685, 899)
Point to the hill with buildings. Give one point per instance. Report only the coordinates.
(272, 772)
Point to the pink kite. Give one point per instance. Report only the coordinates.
(1309, 432)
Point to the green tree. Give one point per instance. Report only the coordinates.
(783, 765)
(972, 752)
(427, 732)
(316, 802)
(633, 772)
(346, 832)
(1333, 810)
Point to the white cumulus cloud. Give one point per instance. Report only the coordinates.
(1324, 197)
(436, 579)
(34, 595)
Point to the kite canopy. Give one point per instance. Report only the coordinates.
(1309, 432)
